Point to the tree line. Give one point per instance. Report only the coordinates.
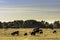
(29, 24)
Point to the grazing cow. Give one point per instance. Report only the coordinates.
(25, 34)
(33, 33)
(15, 33)
(54, 31)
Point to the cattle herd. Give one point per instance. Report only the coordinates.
(33, 33)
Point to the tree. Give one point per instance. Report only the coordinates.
(46, 24)
(1, 25)
(5, 24)
(18, 23)
(57, 24)
(30, 23)
(51, 26)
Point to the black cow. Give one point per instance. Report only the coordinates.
(33, 33)
(54, 31)
(25, 34)
(15, 33)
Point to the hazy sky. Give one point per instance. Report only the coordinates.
(48, 10)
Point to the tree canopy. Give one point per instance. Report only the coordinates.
(29, 24)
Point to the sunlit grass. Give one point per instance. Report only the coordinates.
(5, 34)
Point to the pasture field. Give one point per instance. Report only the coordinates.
(5, 34)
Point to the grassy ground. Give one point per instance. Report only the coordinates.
(5, 34)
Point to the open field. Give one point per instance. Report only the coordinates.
(5, 34)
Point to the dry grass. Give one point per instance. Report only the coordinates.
(5, 34)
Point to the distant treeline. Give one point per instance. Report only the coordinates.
(29, 24)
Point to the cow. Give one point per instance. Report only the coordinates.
(33, 33)
(15, 33)
(25, 34)
(54, 31)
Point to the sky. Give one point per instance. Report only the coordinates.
(48, 10)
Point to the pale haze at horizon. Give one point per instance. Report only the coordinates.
(48, 10)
